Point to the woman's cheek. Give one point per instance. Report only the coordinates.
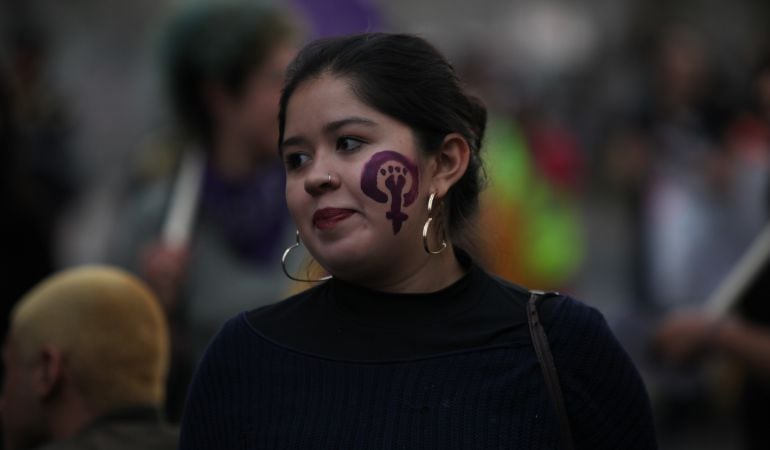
(392, 179)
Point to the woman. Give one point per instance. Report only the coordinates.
(409, 344)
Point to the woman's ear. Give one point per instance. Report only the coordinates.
(450, 163)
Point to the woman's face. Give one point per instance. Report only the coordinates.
(364, 223)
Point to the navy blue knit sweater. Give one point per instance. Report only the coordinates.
(341, 367)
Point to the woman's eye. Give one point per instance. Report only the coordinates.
(295, 160)
(348, 144)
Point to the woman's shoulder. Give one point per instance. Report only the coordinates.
(548, 302)
(565, 316)
(291, 308)
(604, 393)
(562, 315)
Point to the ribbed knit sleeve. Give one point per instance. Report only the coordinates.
(206, 424)
(604, 394)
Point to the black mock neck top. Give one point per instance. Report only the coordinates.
(343, 367)
(348, 322)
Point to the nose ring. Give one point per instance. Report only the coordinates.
(329, 178)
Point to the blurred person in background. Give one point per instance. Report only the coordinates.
(694, 336)
(664, 157)
(224, 67)
(688, 200)
(747, 142)
(692, 203)
(86, 357)
(36, 170)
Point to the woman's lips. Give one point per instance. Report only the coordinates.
(327, 218)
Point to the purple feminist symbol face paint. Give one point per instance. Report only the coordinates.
(396, 171)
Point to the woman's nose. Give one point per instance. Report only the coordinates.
(320, 182)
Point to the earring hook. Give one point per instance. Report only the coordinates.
(286, 271)
(427, 226)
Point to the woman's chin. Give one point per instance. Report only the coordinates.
(350, 256)
(346, 266)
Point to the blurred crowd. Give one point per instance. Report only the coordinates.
(631, 170)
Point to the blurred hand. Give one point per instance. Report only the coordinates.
(164, 268)
(683, 335)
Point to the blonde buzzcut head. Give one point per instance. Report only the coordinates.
(110, 329)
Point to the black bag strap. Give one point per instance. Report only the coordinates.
(544, 357)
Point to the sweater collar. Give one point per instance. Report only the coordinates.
(389, 310)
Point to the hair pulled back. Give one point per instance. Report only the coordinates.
(406, 78)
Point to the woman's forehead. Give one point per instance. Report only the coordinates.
(327, 88)
(328, 100)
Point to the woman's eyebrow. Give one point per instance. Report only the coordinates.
(332, 127)
(298, 141)
(329, 128)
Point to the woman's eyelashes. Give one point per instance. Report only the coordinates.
(296, 160)
(349, 144)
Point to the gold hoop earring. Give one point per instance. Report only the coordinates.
(286, 272)
(427, 226)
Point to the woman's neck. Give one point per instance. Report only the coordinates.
(431, 273)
